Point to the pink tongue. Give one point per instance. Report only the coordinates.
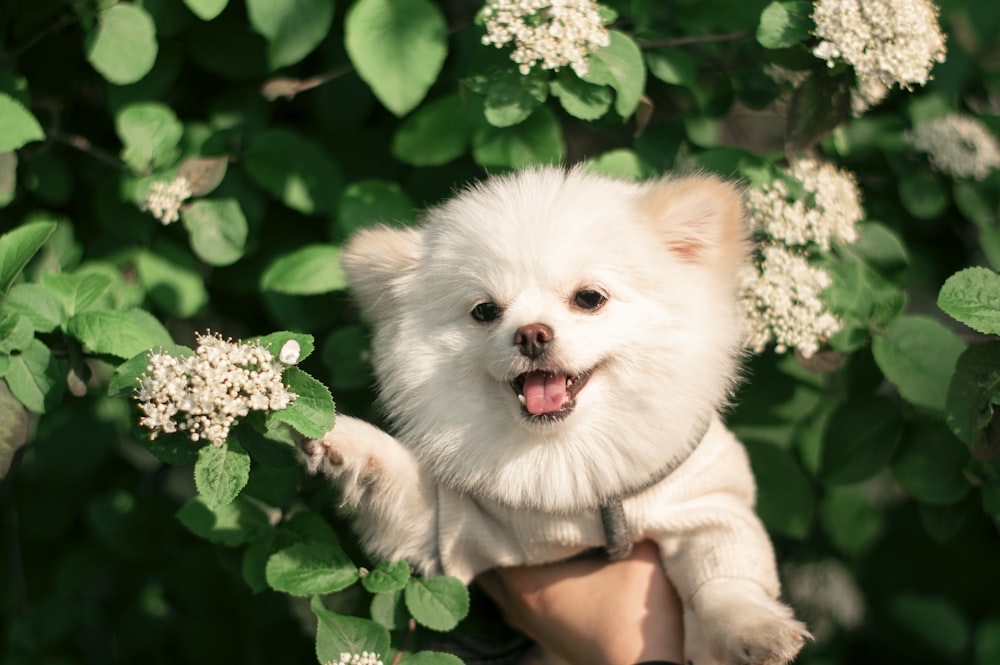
(544, 392)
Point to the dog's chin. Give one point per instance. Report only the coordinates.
(548, 396)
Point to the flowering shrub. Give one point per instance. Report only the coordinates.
(168, 168)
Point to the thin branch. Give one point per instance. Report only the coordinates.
(288, 88)
(58, 26)
(694, 39)
(84, 145)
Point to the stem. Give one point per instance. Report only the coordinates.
(289, 87)
(695, 39)
(84, 145)
(58, 26)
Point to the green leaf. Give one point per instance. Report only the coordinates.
(8, 177)
(276, 340)
(918, 355)
(150, 133)
(537, 140)
(218, 230)
(387, 577)
(586, 101)
(232, 524)
(860, 439)
(437, 602)
(118, 334)
(784, 24)
(18, 246)
(430, 658)
(310, 568)
(972, 296)
(312, 412)
(620, 65)
(78, 292)
(879, 247)
(621, 163)
(849, 520)
(368, 202)
(206, 10)
(922, 193)
(930, 464)
(916, 612)
(398, 48)
(672, 65)
(988, 641)
(436, 133)
(221, 473)
(346, 354)
(509, 96)
(17, 125)
(172, 280)
(122, 45)
(35, 378)
(819, 104)
(293, 28)
(785, 501)
(294, 169)
(389, 610)
(337, 634)
(311, 270)
(972, 392)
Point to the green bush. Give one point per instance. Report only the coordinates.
(169, 168)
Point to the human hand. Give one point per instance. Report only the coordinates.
(594, 612)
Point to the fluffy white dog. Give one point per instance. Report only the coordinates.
(553, 348)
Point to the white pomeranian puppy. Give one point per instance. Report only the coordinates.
(553, 348)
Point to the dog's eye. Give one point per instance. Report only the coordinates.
(589, 300)
(486, 311)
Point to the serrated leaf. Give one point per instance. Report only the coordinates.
(206, 10)
(310, 270)
(17, 125)
(125, 378)
(672, 65)
(930, 464)
(784, 24)
(537, 140)
(218, 230)
(969, 406)
(345, 353)
(430, 658)
(398, 48)
(368, 202)
(509, 96)
(37, 304)
(312, 412)
(849, 519)
(36, 378)
(438, 603)
(293, 28)
(337, 634)
(310, 568)
(918, 355)
(233, 524)
(620, 65)
(17, 247)
(583, 100)
(221, 473)
(972, 296)
(150, 133)
(118, 334)
(389, 610)
(436, 133)
(78, 292)
(785, 499)
(386, 577)
(860, 439)
(122, 45)
(294, 169)
(203, 174)
(16, 333)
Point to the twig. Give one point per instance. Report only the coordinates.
(288, 87)
(64, 22)
(84, 145)
(694, 39)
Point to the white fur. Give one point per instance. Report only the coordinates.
(471, 483)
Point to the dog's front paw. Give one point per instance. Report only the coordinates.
(349, 449)
(742, 625)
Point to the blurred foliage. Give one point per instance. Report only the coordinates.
(295, 122)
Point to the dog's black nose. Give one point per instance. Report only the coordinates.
(532, 339)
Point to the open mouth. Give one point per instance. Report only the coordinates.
(548, 395)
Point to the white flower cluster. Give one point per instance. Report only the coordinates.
(888, 42)
(165, 198)
(957, 145)
(781, 295)
(365, 658)
(555, 32)
(826, 594)
(205, 394)
(830, 210)
(782, 303)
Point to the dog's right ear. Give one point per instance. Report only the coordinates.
(374, 260)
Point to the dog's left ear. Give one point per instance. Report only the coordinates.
(376, 261)
(699, 219)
